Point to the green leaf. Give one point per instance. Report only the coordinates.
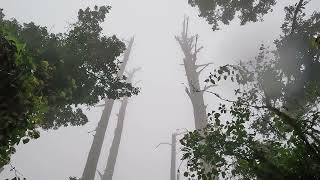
(25, 140)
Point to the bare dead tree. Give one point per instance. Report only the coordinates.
(95, 150)
(173, 146)
(114, 149)
(173, 169)
(190, 50)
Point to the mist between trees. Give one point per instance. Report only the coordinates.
(267, 129)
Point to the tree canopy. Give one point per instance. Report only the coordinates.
(217, 11)
(44, 77)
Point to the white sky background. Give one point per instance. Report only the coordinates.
(161, 107)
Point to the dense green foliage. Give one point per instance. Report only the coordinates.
(216, 11)
(44, 77)
(271, 128)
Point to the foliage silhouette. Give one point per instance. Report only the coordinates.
(217, 11)
(44, 77)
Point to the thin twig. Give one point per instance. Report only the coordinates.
(163, 144)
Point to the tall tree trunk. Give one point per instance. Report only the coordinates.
(173, 170)
(95, 150)
(114, 149)
(113, 153)
(194, 91)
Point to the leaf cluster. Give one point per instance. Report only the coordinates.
(224, 11)
(44, 77)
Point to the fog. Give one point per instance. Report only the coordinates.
(160, 108)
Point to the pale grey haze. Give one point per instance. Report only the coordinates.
(161, 107)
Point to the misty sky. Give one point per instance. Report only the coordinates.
(161, 107)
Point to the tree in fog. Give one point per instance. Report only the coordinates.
(90, 168)
(114, 149)
(45, 76)
(190, 50)
(270, 129)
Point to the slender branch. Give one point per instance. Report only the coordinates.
(195, 50)
(218, 96)
(183, 26)
(199, 49)
(180, 166)
(131, 73)
(137, 83)
(204, 66)
(208, 87)
(188, 92)
(91, 131)
(187, 26)
(12, 168)
(233, 101)
(201, 65)
(163, 144)
(195, 45)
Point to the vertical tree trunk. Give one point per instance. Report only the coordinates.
(173, 171)
(114, 149)
(95, 150)
(195, 93)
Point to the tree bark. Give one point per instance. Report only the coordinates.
(95, 150)
(114, 149)
(190, 50)
(173, 169)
